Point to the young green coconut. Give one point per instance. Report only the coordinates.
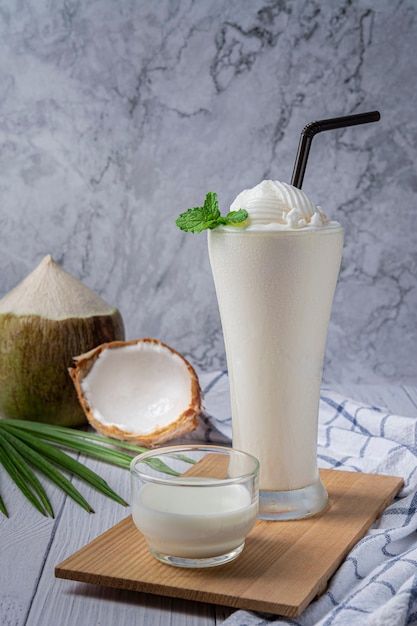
(44, 321)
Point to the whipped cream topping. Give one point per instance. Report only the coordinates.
(274, 205)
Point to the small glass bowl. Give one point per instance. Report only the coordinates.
(195, 504)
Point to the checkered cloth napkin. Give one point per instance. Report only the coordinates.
(377, 583)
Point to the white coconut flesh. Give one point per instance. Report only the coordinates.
(138, 388)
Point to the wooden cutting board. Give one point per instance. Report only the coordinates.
(283, 567)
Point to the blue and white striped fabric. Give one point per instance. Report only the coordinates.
(377, 583)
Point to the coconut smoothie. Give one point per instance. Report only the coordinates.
(275, 279)
(194, 522)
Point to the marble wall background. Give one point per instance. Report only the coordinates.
(114, 116)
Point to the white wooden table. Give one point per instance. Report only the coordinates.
(31, 546)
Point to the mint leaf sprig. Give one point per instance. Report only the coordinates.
(208, 216)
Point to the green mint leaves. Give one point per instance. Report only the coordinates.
(234, 218)
(208, 216)
(201, 217)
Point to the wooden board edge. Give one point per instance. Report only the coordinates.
(321, 586)
(283, 610)
(64, 572)
(88, 545)
(329, 470)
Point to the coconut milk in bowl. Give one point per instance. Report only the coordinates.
(195, 504)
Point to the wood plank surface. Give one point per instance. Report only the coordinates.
(396, 398)
(30, 547)
(270, 575)
(24, 542)
(58, 603)
(411, 393)
(80, 605)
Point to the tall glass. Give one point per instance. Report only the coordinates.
(275, 290)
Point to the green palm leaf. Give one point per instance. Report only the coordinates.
(17, 477)
(71, 465)
(46, 430)
(31, 478)
(24, 444)
(63, 435)
(3, 507)
(46, 468)
(115, 457)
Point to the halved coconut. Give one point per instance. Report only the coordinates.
(141, 391)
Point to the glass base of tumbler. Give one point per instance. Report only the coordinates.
(211, 561)
(291, 505)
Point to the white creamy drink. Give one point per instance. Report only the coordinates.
(275, 279)
(194, 522)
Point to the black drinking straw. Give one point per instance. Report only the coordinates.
(313, 128)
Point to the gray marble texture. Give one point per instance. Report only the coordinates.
(117, 115)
